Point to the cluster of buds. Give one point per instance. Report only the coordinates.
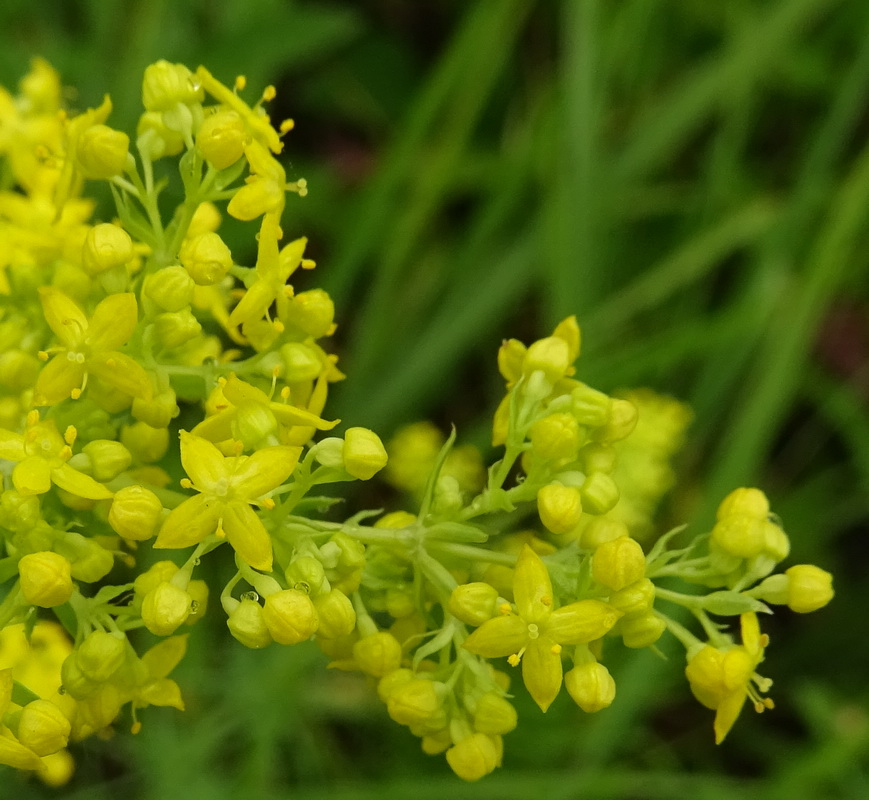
(114, 331)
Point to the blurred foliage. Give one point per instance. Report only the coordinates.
(692, 179)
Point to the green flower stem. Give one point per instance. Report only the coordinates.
(690, 601)
(11, 605)
(688, 639)
(470, 553)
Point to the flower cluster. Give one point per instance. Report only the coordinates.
(158, 396)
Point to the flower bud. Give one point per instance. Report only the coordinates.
(102, 152)
(74, 682)
(157, 573)
(247, 624)
(154, 139)
(258, 197)
(46, 579)
(336, 613)
(164, 85)
(108, 458)
(414, 703)
(750, 502)
(494, 715)
(171, 288)
(378, 654)
(621, 422)
(165, 608)
(635, 599)
(739, 535)
(591, 686)
(306, 573)
(550, 355)
(642, 631)
(57, 769)
(392, 680)
(100, 655)
(400, 602)
(149, 439)
(290, 616)
(300, 362)
(600, 530)
(176, 328)
(590, 407)
(475, 756)
(363, 453)
(775, 541)
(559, 507)
(135, 513)
(313, 311)
(207, 258)
(511, 354)
(809, 588)
(106, 246)
(618, 563)
(473, 603)
(599, 493)
(43, 727)
(556, 437)
(221, 139)
(92, 562)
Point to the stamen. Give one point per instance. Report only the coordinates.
(240, 83)
(287, 125)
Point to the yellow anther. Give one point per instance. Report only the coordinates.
(308, 263)
(240, 83)
(70, 434)
(268, 503)
(75, 393)
(269, 93)
(546, 600)
(278, 326)
(556, 649)
(42, 355)
(513, 660)
(65, 452)
(505, 609)
(186, 483)
(287, 125)
(221, 382)
(285, 393)
(135, 727)
(32, 417)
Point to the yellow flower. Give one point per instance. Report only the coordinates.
(89, 347)
(723, 679)
(265, 188)
(535, 634)
(154, 687)
(227, 487)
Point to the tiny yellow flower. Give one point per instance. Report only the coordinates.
(537, 632)
(226, 486)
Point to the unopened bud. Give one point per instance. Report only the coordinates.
(207, 258)
(599, 493)
(106, 246)
(494, 715)
(171, 288)
(474, 757)
(550, 355)
(559, 507)
(135, 513)
(290, 616)
(43, 727)
(102, 152)
(378, 654)
(100, 655)
(336, 613)
(221, 139)
(247, 624)
(618, 563)
(750, 502)
(46, 579)
(165, 608)
(642, 631)
(364, 454)
(591, 686)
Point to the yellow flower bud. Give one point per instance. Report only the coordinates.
(599, 493)
(600, 530)
(312, 311)
(154, 139)
(46, 579)
(809, 588)
(511, 354)
(556, 437)
(591, 686)
(290, 616)
(559, 507)
(363, 453)
(642, 631)
(494, 715)
(164, 85)
(590, 407)
(157, 573)
(135, 513)
(751, 502)
(635, 599)
(146, 442)
(400, 602)
(165, 608)
(106, 246)
(176, 328)
(475, 756)
(92, 561)
(100, 655)
(301, 362)
(221, 139)
(74, 682)
(618, 563)
(378, 654)
(392, 680)
(247, 624)
(550, 355)
(306, 573)
(102, 152)
(171, 288)
(206, 257)
(434, 743)
(43, 727)
(57, 768)
(336, 613)
(414, 702)
(108, 459)
(206, 219)
(473, 603)
(739, 535)
(621, 422)
(775, 541)
(258, 197)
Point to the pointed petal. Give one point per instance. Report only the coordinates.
(581, 622)
(6, 684)
(15, 754)
(79, 484)
(113, 322)
(189, 523)
(217, 427)
(57, 380)
(750, 628)
(500, 636)
(121, 372)
(248, 536)
(263, 471)
(202, 461)
(542, 671)
(291, 256)
(164, 656)
(66, 320)
(253, 305)
(238, 392)
(11, 446)
(292, 415)
(727, 713)
(162, 692)
(32, 476)
(532, 589)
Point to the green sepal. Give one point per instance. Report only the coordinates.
(726, 604)
(22, 695)
(431, 483)
(67, 617)
(8, 568)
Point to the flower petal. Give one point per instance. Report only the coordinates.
(542, 671)
(202, 461)
(32, 476)
(581, 622)
(499, 636)
(238, 392)
(57, 380)
(162, 692)
(293, 415)
(727, 713)
(189, 523)
(66, 320)
(113, 322)
(79, 484)
(15, 754)
(11, 446)
(532, 589)
(121, 372)
(164, 656)
(248, 536)
(217, 427)
(263, 471)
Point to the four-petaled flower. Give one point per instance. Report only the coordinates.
(536, 633)
(227, 487)
(723, 679)
(89, 346)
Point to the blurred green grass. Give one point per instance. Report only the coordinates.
(691, 179)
